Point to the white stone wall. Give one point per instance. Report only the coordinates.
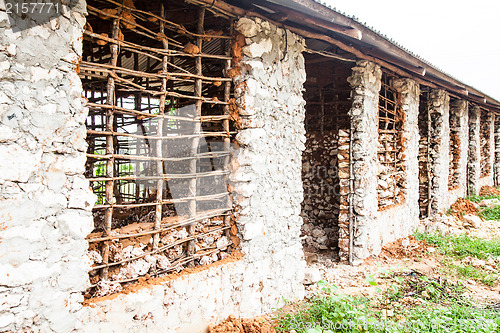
(45, 201)
(267, 189)
(402, 220)
(496, 165)
(439, 139)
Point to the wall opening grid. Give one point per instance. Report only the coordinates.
(391, 179)
(158, 131)
(455, 153)
(484, 139)
(424, 172)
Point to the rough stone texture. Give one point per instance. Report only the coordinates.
(344, 179)
(439, 146)
(373, 228)
(459, 126)
(496, 165)
(365, 82)
(487, 146)
(402, 220)
(473, 165)
(320, 208)
(43, 267)
(267, 188)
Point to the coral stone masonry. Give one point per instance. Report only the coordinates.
(168, 164)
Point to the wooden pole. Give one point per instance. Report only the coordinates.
(110, 100)
(197, 129)
(159, 133)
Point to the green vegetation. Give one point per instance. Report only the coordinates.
(441, 310)
(461, 246)
(455, 247)
(477, 198)
(490, 213)
(487, 213)
(406, 301)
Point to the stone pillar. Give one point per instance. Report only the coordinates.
(267, 165)
(459, 110)
(439, 146)
(365, 82)
(45, 205)
(410, 93)
(496, 164)
(474, 162)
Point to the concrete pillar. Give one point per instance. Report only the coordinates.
(459, 111)
(474, 166)
(365, 82)
(496, 164)
(439, 146)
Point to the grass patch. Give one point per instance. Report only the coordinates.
(490, 213)
(478, 198)
(470, 272)
(460, 247)
(485, 213)
(329, 312)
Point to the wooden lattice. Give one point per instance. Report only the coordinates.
(156, 76)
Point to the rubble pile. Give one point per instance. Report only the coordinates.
(488, 191)
(320, 176)
(136, 260)
(463, 207)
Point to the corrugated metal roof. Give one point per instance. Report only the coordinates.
(386, 46)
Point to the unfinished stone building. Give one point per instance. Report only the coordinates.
(167, 163)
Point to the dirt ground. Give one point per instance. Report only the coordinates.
(406, 254)
(238, 325)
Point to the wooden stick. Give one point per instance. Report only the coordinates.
(193, 165)
(166, 201)
(152, 49)
(159, 134)
(176, 27)
(165, 177)
(150, 137)
(154, 158)
(163, 75)
(165, 227)
(155, 251)
(110, 148)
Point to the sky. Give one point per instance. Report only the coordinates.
(462, 38)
